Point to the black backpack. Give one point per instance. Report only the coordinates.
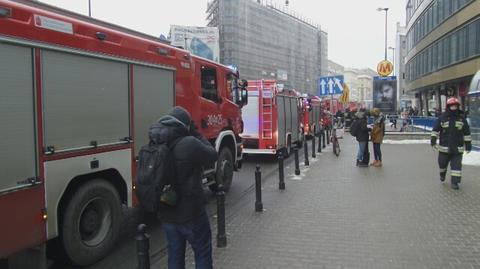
(156, 176)
(354, 128)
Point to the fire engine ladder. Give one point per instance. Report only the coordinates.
(267, 114)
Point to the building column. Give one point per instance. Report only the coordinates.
(425, 103)
(439, 100)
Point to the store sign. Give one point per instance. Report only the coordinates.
(384, 68)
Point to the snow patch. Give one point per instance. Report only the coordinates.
(407, 141)
(472, 158)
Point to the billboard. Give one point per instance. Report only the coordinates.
(200, 41)
(385, 93)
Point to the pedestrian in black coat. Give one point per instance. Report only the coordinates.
(188, 220)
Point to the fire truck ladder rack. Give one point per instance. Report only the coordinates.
(267, 116)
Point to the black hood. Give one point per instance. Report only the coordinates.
(167, 129)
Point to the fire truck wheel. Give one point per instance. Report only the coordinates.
(91, 222)
(224, 170)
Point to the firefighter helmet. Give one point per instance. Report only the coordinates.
(452, 101)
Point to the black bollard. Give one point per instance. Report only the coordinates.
(319, 143)
(313, 147)
(221, 235)
(323, 139)
(258, 189)
(297, 162)
(328, 136)
(143, 247)
(281, 176)
(305, 150)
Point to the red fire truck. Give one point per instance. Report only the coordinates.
(271, 119)
(312, 110)
(77, 97)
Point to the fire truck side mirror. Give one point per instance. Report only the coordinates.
(244, 96)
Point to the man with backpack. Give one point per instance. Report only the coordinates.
(184, 218)
(359, 130)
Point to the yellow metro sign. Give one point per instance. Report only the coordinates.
(384, 68)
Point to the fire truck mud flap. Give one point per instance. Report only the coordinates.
(90, 223)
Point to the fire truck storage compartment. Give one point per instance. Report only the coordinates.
(20, 202)
(287, 119)
(17, 116)
(85, 99)
(154, 96)
(251, 117)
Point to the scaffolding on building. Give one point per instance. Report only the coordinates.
(267, 40)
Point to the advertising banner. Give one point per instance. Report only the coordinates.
(200, 41)
(385, 93)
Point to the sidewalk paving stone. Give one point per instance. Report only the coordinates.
(341, 216)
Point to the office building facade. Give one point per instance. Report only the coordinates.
(443, 50)
(267, 41)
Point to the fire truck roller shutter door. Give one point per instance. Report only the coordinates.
(85, 99)
(281, 130)
(154, 96)
(295, 120)
(22, 226)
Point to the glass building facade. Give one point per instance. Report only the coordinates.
(268, 42)
(443, 50)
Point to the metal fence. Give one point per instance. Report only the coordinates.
(413, 124)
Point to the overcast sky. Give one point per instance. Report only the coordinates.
(355, 27)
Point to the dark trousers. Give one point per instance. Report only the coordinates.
(377, 152)
(198, 234)
(455, 161)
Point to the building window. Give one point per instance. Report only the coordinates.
(209, 83)
(457, 46)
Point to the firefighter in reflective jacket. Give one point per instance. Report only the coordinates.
(454, 135)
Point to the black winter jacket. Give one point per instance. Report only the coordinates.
(191, 152)
(453, 132)
(362, 132)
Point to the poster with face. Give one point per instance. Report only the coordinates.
(385, 93)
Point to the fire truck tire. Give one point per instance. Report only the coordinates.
(90, 223)
(224, 173)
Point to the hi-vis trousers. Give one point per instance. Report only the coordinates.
(455, 161)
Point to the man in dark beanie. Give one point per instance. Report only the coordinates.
(187, 220)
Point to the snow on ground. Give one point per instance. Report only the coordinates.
(472, 158)
(408, 141)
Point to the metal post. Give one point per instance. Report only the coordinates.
(281, 176)
(328, 136)
(89, 8)
(305, 150)
(313, 147)
(323, 138)
(386, 20)
(319, 142)
(143, 247)
(221, 235)
(297, 162)
(258, 189)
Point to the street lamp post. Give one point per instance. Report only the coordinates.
(393, 50)
(89, 8)
(386, 20)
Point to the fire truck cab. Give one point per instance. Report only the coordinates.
(271, 118)
(77, 98)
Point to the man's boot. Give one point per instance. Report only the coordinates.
(455, 181)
